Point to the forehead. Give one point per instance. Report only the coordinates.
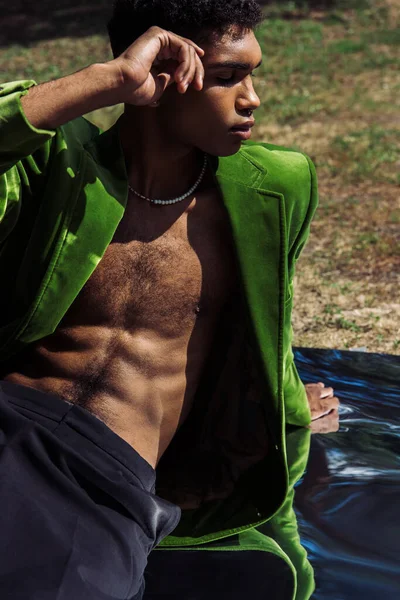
(246, 49)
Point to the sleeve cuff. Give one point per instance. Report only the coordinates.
(19, 138)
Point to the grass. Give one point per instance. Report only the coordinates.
(366, 151)
(50, 59)
(330, 86)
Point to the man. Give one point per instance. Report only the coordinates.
(136, 334)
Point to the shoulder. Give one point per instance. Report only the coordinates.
(287, 172)
(275, 170)
(291, 174)
(285, 168)
(271, 168)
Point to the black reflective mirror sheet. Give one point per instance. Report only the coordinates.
(348, 500)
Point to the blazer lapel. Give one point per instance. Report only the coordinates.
(257, 222)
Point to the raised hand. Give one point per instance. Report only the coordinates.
(153, 62)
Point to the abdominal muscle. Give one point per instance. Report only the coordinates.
(140, 384)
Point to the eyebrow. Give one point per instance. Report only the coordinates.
(233, 65)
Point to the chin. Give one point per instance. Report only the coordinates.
(223, 150)
(231, 151)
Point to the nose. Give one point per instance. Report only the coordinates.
(248, 99)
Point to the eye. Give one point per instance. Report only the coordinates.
(226, 79)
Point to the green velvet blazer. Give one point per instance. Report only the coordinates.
(62, 195)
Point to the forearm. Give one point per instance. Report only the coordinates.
(52, 104)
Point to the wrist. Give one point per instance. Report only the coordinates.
(110, 82)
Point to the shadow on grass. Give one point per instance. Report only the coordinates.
(26, 23)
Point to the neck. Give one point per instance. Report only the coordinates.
(157, 165)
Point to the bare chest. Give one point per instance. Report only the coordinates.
(162, 270)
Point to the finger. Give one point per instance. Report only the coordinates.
(313, 386)
(314, 392)
(330, 403)
(326, 392)
(199, 50)
(199, 77)
(324, 412)
(324, 407)
(173, 48)
(320, 412)
(184, 60)
(191, 70)
(198, 73)
(327, 424)
(180, 46)
(173, 71)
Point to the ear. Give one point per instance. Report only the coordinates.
(165, 79)
(166, 69)
(162, 82)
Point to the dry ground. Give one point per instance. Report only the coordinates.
(347, 281)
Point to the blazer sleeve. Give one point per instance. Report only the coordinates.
(297, 411)
(24, 153)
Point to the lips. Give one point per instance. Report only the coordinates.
(243, 134)
(243, 126)
(242, 131)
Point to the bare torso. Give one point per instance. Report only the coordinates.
(132, 346)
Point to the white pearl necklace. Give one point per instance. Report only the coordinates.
(173, 201)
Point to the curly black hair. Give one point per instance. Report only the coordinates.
(199, 20)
